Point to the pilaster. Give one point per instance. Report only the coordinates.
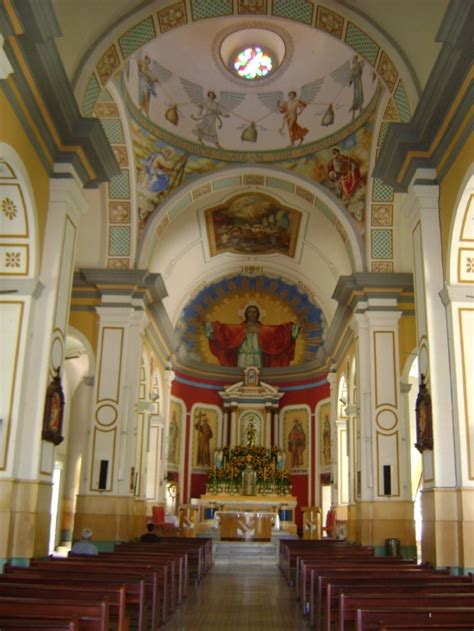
(383, 491)
(422, 208)
(113, 443)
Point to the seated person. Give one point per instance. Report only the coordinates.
(150, 535)
(84, 546)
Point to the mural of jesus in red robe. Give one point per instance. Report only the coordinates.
(251, 343)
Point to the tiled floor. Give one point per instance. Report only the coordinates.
(239, 596)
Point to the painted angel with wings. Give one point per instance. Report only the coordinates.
(150, 74)
(351, 74)
(292, 107)
(211, 111)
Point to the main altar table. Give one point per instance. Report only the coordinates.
(282, 506)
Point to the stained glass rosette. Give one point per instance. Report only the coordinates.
(252, 63)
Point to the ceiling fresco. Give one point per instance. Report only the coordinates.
(198, 99)
(190, 114)
(252, 223)
(212, 327)
(341, 167)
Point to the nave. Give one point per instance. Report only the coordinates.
(239, 596)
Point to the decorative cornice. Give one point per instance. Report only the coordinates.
(39, 87)
(441, 120)
(376, 285)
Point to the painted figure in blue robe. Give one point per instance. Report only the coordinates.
(158, 169)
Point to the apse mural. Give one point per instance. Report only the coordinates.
(251, 320)
(252, 223)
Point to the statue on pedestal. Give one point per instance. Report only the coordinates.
(249, 479)
(251, 434)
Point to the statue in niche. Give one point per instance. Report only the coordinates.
(251, 434)
(249, 478)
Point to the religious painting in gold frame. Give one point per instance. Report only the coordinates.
(325, 435)
(54, 411)
(174, 432)
(204, 423)
(296, 438)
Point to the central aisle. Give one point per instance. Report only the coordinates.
(244, 590)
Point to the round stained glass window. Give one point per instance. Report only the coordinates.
(253, 63)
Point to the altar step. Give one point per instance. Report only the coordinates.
(243, 553)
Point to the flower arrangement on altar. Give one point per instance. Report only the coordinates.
(272, 477)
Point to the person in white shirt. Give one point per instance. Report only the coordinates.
(84, 546)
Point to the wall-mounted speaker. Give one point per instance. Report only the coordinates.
(387, 479)
(104, 468)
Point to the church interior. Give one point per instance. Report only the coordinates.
(236, 274)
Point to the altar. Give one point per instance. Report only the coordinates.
(280, 510)
(245, 525)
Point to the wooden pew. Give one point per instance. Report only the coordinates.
(370, 568)
(331, 604)
(350, 603)
(92, 616)
(289, 547)
(355, 575)
(199, 551)
(135, 588)
(33, 624)
(427, 617)
(155, 578)
(115, 594)
(305, 565)
(174, 562)
(182, 567)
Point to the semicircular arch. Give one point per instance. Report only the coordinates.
(307, 193)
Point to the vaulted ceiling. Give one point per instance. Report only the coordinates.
(223, 179)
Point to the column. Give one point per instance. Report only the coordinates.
(169, 377)
(439, 498)
(106, 501)
(268, 427)
(384, 508)
(233, 424)
(459, 302)
(33, 341)
(332, 379)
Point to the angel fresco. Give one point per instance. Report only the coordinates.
(292, 107)
(211, 110)
(350, 74)
(150, 75)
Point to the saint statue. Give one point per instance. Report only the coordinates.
(251, 434)
(249, 478)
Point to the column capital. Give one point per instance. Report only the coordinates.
(456, 293)
(5, 65)
(170, 375)
(65, 190)
(22, 287)
(331, 378)
(422, 196)
(405, 387)
(115, 314)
